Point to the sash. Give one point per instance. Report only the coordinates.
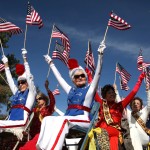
(141, 122)
(108, 117)
(76, 106)
(22, 107)
(110, 121)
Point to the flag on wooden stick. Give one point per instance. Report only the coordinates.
(6, 26)
(56, 92)
(33, 17)
(125, 77)
(57, 33)
(141, 65)
(147, 77)
(60, 53)
(117, 22)
(140, 61)
(2, 67)
(89, 58)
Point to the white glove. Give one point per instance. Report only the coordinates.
(101, 48)
(4, 59)
(48, 59)
(31, 77)
(24, 52)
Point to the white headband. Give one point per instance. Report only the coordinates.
(73, 71)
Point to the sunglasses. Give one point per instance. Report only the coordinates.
(78, 76)
(21, 82)
(39, 98)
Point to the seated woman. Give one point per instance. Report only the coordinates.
(23, 97)
(43, 108)
(80, 98)
(110, 113)
(137, 118)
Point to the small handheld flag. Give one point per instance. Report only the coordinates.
(56, 92)
(33, 17)
(60, 53)
(141, 65)
(125, 76)
(89, 58)
(118, 22)
(57, 33)
(6, 26)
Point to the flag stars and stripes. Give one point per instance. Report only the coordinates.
(57, 33)
(118, 22)
(89, 58)
(9, 27)
(125, 77)
(147, 78)
(2, 67)
(140, 57)
(60, 53)
(141, 65)
(33, 17)
(56, 92)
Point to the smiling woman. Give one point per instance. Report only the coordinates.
(80, 99)
(76, 76)
(45, 107)
(22, 99)
(79, 79)
(137, 118)
(110, 112)
(42, 100)
(136, 104)
(22, 82)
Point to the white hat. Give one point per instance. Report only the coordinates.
(73, 66)
(22, 77)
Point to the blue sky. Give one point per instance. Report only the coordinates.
(82, 20)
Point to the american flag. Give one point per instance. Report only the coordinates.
(125, 76)
(57, 33)
(2, 67)
(9, 27)
(33, 17)
(140, 62)
(145, 64)
(118, 22)
(123, 86)
(89, 74)
(56, 92)
(60, 53)
(147, 77)
(89, 58)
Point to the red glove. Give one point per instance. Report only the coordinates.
(142, 76)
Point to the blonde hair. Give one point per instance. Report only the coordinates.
(40, 94)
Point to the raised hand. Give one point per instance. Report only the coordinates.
(46, 84)
(24, 52)
(47, 58)
(4, 59)
(101, 48)
(142, 76)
